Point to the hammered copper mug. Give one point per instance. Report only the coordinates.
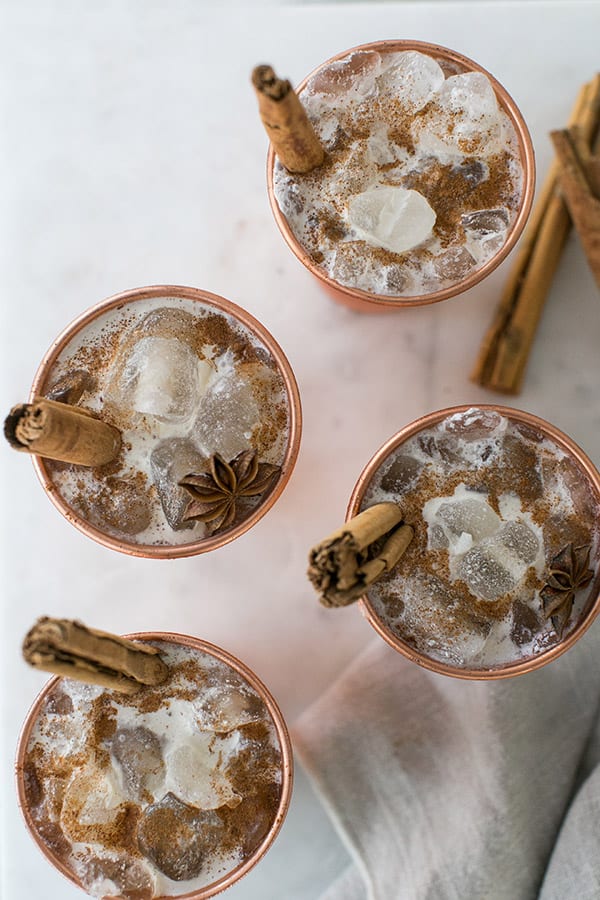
(49, 849)
(76, 332)
(584, 469)
(367, 301)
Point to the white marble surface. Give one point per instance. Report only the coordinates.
(132, 154)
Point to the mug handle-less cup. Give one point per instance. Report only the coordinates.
(282, 736)
(212, 542)
(365, 301)
(510, 669)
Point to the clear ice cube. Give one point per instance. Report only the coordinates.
(352, 266)
(391, 217)
(138, 754)
(474, 424)
(223, 708)
(177, 838)
(92, 804)
(228, 413)
(413, 78)
(454, 264)
(170, 461)
(463, 120)
(194, 775)
(520, 540)
(487, 578)
(354, 76)
(161, 377)
(401, 474)
(115, 875)
(470, 516)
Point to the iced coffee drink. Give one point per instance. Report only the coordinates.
(175, 790)
(503, 563)
(422, 183)
(208, 412)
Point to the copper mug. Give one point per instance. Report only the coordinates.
(283, 739)
(210, 542)
(588, 472)
(365, 301)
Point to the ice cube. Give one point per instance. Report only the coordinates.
(178, 838)
(194, 774)
(353, 266)
(170, 461)
(463, 119)
(436, 537)
(486, 221)
(352, 77)
(223, 708)
(115, 875)
(470, 516)
(161, 377)
(473, 171)
(484, 575)
(228, 413)
(402, 473)
(71, 387)
(413, 78)
(94, 807)
(525, 624)
(138, 754)
(474, 424)
(520, 540)
(119, 504)
(454, 264)
(391, 217)
(379, 149)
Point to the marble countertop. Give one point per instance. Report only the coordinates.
(132, 154)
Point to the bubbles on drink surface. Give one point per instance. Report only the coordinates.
(395, 128)
(492, 503)
(160, 793)
(182, 382)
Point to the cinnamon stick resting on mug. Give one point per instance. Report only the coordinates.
(70, 649)
(63, 432)
(340, 568)
(293, 137)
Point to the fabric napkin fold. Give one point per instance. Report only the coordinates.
(444, 789)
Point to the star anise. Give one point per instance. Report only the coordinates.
(215, 494)
(569, 573)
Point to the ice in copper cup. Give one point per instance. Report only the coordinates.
(502, 573)
(427, 180)
(197, 387)
(175, 791)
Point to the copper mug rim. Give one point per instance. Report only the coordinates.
(283, 737)
(527, 158)
(507, 670)
(173, 551)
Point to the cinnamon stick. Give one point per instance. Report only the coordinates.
(70, 649)
(506, 345)
(579, 172)
(340, 568)
(293, 137)
(63, 432)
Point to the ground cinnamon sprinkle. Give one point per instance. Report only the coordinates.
(524, 468)
(158, 829)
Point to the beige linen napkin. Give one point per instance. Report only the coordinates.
(450, 790)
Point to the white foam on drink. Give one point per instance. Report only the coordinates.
(151, 403)
(198, 778)
(493, 551)
(355, 104)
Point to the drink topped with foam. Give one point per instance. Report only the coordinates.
(182, 380)
(496, 507)
(422, 178)
(159, 793)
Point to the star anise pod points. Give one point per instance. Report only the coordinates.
(568, 574)
(215, 494)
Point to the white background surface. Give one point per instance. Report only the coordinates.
(132, 154)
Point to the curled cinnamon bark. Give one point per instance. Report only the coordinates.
(70, 649)
(63, 432)
(343, 565)
(293, 137)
